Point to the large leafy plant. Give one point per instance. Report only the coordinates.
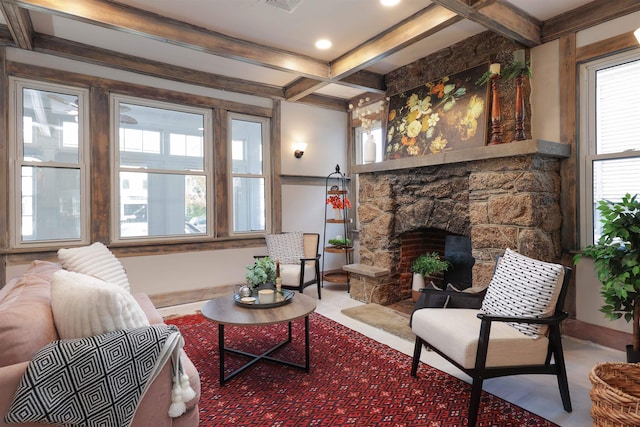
(261, 272)
(617, 261)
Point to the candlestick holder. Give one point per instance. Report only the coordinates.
(519, 134)
(496, 119)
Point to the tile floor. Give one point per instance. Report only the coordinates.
(536, 393)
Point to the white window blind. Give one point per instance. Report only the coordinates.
(610, 135)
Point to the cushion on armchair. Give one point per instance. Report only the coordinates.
(290, 273)
(287, 248)
(95, 260)
(85, 306)
(26, 321)
(523, 286)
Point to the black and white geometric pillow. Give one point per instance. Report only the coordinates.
(525, 287)
(94, 381)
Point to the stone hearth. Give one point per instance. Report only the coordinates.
(499, 196)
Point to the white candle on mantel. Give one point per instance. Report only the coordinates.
(518, 57)
(494, 68)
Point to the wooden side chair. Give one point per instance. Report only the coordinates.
(515, 330)
(299, 258)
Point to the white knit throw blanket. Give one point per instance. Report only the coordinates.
(99, 380)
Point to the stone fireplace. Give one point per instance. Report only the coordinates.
(498, 196)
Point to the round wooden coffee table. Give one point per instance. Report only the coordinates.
(224, 311)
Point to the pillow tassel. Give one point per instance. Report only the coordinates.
(181, 391)
(187, 392)
(177, 407)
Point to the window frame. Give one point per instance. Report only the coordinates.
(266, 173)
(17, 161)
(208, 168)
(587, 153)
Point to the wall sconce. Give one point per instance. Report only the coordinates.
(637, 34)
(299, 149)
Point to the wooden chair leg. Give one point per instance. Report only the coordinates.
(417, 350)
(558, 357)
(474, 402)
(318, 281)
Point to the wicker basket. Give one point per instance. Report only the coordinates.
(615, 394)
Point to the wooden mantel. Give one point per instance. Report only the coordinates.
(516, 148)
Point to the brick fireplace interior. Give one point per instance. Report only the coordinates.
(414, 244)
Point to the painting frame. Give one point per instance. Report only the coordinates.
(447, 114)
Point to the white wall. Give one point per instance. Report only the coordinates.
(303, 206)
(545, 104)
(324, 131)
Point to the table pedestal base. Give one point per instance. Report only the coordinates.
(264, 356)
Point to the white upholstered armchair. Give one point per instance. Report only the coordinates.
(516, 330)
(299, 258)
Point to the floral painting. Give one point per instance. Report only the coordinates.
(448, 114)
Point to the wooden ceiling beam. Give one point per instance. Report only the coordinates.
(500, 17)
(329, 102)
(19, 23)
(131, 20)
(586, 16)
(6, 39)
(428, 21)
(365, 80)
(108, 58)
(301, 88)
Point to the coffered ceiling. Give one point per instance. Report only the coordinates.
(266, 47)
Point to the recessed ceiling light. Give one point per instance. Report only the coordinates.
(389, 3)
(323, 44)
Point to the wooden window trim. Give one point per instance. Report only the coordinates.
(100, 181)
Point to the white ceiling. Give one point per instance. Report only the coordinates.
(348, 23)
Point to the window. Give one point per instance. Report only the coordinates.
(49, 164)
(163, 178)
(609, 135)
(249, 147)
(361, 137)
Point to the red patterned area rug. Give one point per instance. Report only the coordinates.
(353, 381)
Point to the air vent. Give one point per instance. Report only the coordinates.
(287, 5)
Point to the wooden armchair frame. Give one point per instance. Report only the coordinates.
(480, 371)
(311, 251)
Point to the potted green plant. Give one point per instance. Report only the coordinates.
(424, 266)
(340, 242)
(261, 272)
(617, 263)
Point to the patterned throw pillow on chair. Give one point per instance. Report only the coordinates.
(287, 248)
(523, 286)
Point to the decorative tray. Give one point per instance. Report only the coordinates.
(279, 298)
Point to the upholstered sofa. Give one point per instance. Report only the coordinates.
(27, 324)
